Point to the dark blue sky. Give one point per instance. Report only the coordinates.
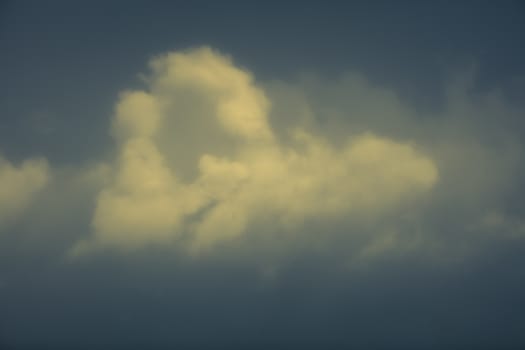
(63, 65)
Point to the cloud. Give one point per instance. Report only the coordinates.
(20, 184)
(199, 162)
(337, 181)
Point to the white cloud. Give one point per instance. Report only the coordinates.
(198, 159)
(19, 185)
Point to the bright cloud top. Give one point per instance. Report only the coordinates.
(19, 185)
(198, 159)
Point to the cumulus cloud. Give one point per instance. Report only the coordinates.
(20, 184)
(199, 161)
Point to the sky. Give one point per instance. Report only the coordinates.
(254, 175)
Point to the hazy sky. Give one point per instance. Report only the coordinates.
(262, 175)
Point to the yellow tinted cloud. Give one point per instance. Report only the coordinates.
(19, 184)
(198, 158)
(240, 107)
